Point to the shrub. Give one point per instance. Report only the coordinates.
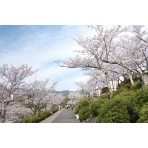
(126, 105)
(121, 90)
(85, 102)
(117, 108)
(141, 97)
(83, 108)
(82, 103)
(114, 111)
(128, 96)
(39, 117)
(30, 119)
(43, 115)
(143, 115)
(138, 102)
(84, 113)
(54, 109)
(77, 108)
(132, 101)
(97, 104)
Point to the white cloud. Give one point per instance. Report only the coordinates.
(41, 49)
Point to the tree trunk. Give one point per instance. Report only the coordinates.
(3, 116)
(144, 79)
(107, 83)
(131, 79)
(3, 112)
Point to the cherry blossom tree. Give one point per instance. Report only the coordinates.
(74, 97)
(141, 52)
(96, 82)
(11, 80)
(113, 51)
(97, 50)
(16, 111)
(57, 99)
(39, 95)
(132, 53)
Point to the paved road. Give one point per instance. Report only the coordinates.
(66, 116)
(52, 117)
(62, 116)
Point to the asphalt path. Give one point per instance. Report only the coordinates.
(62, 116)
(66, 116)
(52, 117)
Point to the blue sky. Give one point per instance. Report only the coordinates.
(40, 46)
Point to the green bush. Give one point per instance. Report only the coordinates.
(84, 113)
(97, 104)
(117, 108)
(121, 90)
(43, 115)
(128, 96)
(82, 108)
(40, 116)
(82, 103)
(30, 119)
(141, 98)
(143, 114)
(54, 109)
(128, 104)
(125, 106)
(139, 101)
(77, 108)
(85, 102)
(114, 111)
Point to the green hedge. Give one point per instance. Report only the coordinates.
(139, 103)
(84, 113)
(82, 103)
(114, 111)
(125, 106)
(40, 116)
(83, 107)
(97, 105)
(143, 114)
(54, 109)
